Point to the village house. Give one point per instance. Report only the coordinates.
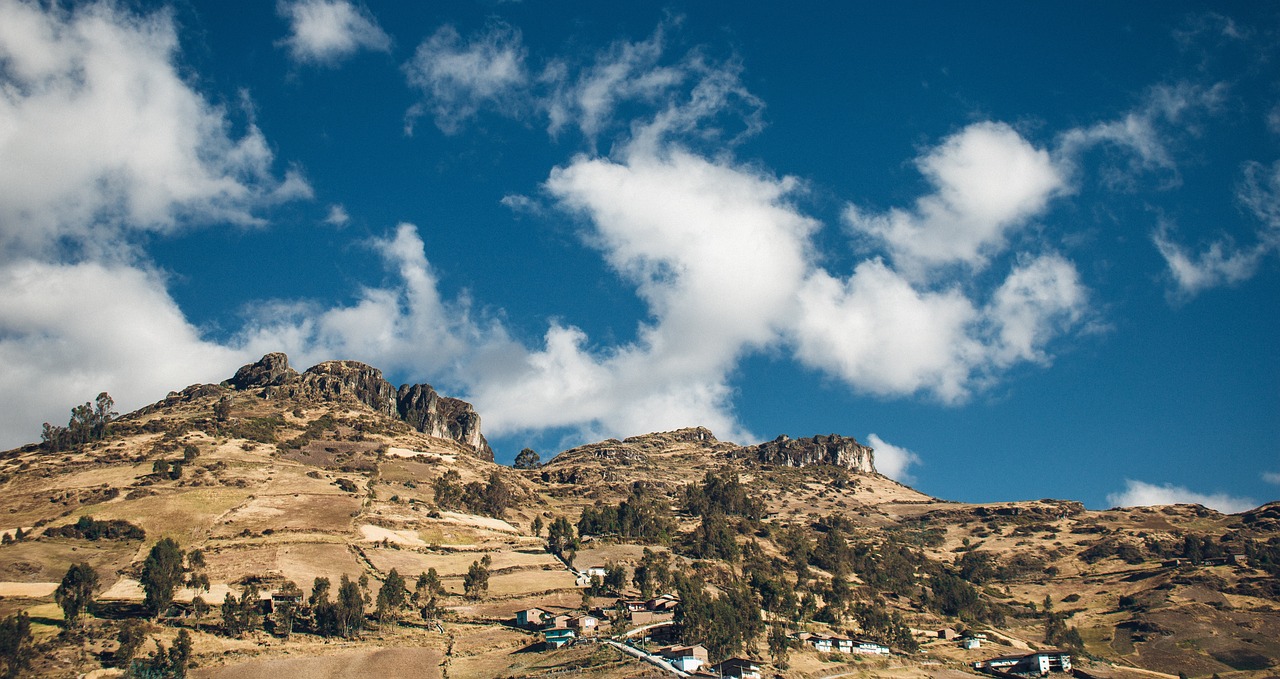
(283, 598)
(737, 668)
(597, 571)
(584, 624)
(970, 643)
(663, 604)
(1039, 663)
(555, 637)
(560, 620)
(947, 633)
(530, 617)
(634, 605)
(685, 658)
(870, 647)
(824, 643)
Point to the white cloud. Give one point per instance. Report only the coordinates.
(406, 327)
(1271, 477)
(99, 135)
(692, 95)
(70, 331)
(337, 216)
(881, 335)
(1041, 298)
(1142, 132)
(1222, 262)
(101, 139)
(987, 181)
(458, 78)
(626, 71)
(1143, 494)
(715, 252)
(327, 31)
(893, 461)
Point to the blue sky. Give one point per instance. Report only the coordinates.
(1023, 251)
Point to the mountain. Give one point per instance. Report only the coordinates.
(278, 476)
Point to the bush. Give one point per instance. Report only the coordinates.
(88, 528)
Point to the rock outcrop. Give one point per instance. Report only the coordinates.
(841, 451)
(272, 369)
(419, 405)
(440, 416)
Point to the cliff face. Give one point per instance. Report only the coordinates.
(835, 449)
(419, 405)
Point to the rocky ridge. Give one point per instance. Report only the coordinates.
(419, 405)
(836, 450)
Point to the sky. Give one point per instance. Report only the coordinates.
(1023, 251)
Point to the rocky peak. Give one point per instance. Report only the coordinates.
(334, 380)
(841, 451)
(441, 416)
(272, 369)
(419, 405)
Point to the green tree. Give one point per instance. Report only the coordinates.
(476, 582)
(16, 647)
(779, 645)
(560, 536)
(324, 614)
(653, 573)
(231, 616)
(165, 663)
(197, 579)
(248, 609)
(131, 637)
(75, 593)
(222, 409)
(349, 608)
(425, 593)
(497, 496)
(284, 611)
(162, 574)
(615, 578)
(536, 526)
(391, 597)
(527, 459)
(199, 607)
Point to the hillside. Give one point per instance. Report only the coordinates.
(281, 477)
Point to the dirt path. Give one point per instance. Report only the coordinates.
(378, 662)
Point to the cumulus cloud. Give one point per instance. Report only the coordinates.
(100, 135)
(1222, 262)
(1143, 494)
(460, 77)
(883, 335)
(1041, 298)
(69, 331)
(328, 31)
(406, 327)
(1271, 477)
(101, 139)
(987, 180)
(718, 251)
(893, 461)
(714, 250)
